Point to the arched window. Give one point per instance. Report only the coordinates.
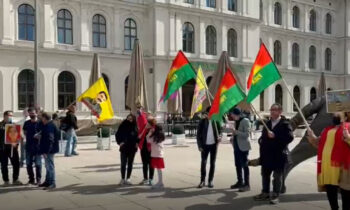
(296, 95)
(278, 14)
(126, 85)
(279, 94)
(232, 43)
(99, 31)
(277, 52)
(25, 89)
(66, 89)
(328, 59)
(210, 35)
(313, 94)
(262, 100)
(26, 22)
(312, 57)
(296, 17)
(130, 33)
(211, 3)
(188, 38)
(64, 27)
(295, 55)
(106, 79)
(328, 23)
(208, 80)
(232, 5)
(313, 20)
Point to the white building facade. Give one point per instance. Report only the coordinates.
(304, 37)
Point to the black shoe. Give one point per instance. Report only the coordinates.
(201, 185)
(237, 185)
(245, 188)
(210, 185)
(45, 184)
(262, 197)
(30, 182)
(274, 199)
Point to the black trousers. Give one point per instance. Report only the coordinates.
(126, 159)
(212, 150)
(241, 162)
(33, 158)
(5, 155)
(332, 195)
(277, 179)
(146, 162)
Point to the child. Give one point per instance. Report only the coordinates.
(156, 137)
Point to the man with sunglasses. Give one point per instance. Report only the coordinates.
(273, 153)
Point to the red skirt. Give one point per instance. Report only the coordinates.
(157, 163)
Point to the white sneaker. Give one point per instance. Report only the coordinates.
(122, 182)
(128, 182)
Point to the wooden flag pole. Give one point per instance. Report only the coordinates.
(296, 105)
(260, 118)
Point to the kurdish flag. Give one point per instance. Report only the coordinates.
(264, 73)
(180, 72)
(199, 93)
(229, 94)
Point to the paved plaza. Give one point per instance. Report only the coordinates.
(90, 182)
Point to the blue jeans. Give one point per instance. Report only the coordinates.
(71, 142)
(30, 159)
(50, 169)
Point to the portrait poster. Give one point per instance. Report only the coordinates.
(338, 101)
(12, 134)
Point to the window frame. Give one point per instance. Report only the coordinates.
(65, 28)
(312, 57)
(25, 26)
(277, 52)
(232, 43)
(188, 43)
(66, 94)
(131, 38)
(278, 13)
(313, 20)
(210, 40)
(295, 55)
(296, 17)
(26, 82)
(98, 32)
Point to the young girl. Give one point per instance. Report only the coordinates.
(156, 138)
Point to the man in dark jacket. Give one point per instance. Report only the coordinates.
(48, 148)
(30, 128)
(273, 153)
(5, 153)
(69, 125)
(208, 138)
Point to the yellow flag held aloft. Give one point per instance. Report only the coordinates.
(199, 93)
(97, 99)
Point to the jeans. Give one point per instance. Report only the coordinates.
(332, 195)
(212, 149)
(241, 162)
(277, 179)
(5, 155)
(36, 159)
(50, 169)
(146, 162)
(126, 159)
(71, 142)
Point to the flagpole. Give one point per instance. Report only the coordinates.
(296, 105)
(260, 118)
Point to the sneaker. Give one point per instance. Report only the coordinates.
(45, 184)
(144, 182)
(201, 185)
(122, 182)
(6, 184)
(210, 184)
(274, 199)
(262, 197)
(237, 185)
(75, 153)
(50, 187)
(158, 186)
(150, 182)
(128, 182)
(30, 182)
(17, 183)
(245, 188)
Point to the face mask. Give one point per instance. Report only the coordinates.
(336, 120)
(10, 119)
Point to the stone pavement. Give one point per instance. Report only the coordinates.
(89, 182)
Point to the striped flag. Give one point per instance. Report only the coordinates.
(199, 93)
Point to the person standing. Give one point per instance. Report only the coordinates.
(333, 161)
(23, 140)
(273, 153)
(8, 152)
(127, 139)
(69, 125)
(49, 137)
(156, 138)
(241, 147)
(208, 140)
(30, 128)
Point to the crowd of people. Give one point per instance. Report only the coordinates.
(40, 140)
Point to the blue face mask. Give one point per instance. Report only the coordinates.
(10, 119)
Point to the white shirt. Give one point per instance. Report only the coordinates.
(210, 135)
(275, 122)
